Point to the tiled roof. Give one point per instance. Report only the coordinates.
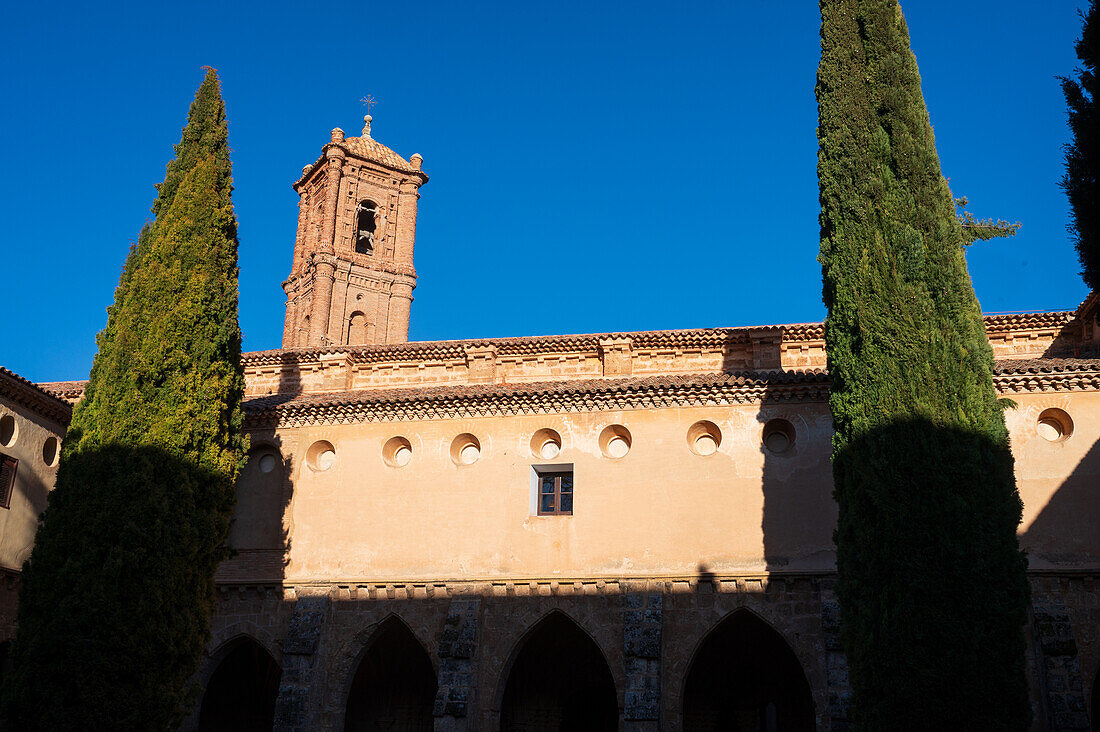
(684, 339)
(472, 400)
(34, 397)
(70, 391)
(370, 149)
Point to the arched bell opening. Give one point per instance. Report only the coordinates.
(394, 685)
(745, 678)
(240, 695)
(559, 681)
(366, 226)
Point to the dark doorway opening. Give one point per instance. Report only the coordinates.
(394, 687)
(559, 681)
(241, 694)
(5, 662)
(745, 678)
(1095, 704)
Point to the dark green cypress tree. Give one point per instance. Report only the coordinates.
(118, 593)
(1082, 179)
(931, 580)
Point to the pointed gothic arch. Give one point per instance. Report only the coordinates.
(744, 677)
(558, 679)
(394, 683)
(241, 692)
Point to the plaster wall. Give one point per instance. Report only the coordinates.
(34, 479)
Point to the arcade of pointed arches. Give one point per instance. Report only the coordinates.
(742, 674)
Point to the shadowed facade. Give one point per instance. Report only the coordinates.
(604, 531)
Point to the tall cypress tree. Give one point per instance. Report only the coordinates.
(1082, 179)
(931, 580)
(118, 593)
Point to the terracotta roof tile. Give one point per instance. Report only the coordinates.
(370, 149)
(34, 397)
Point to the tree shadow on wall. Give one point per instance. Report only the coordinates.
(1067, 529)
(118, 594)
(929, 525)
(799, 513)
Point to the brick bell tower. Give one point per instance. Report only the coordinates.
(352, 277)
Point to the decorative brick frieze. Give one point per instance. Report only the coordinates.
(538, 398)
(481, 364)
(335, 372)
(766, 353)
(616, 356)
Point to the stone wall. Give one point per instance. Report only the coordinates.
(648, 631)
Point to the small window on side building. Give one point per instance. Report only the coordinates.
(554, 486)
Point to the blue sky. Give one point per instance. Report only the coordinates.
(594, 166)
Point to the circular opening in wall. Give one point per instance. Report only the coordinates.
(397, 452)
(267, 463)
(50, 451)
(265, 458)
(546, 444)
(465, 449)
(615, 441)
(8, 430)
(778, 436)
(321, 455)
(704, 437)
(1054, 425)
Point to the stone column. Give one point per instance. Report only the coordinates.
(839, 689)
(300, 236)
(290, 324)
(1061, 686)
(401, 297)
(455, 699)
(325, 266)
(406, 222)
(301, 683)
(643, 619)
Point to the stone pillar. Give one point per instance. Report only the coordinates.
(643, 618)
(838, 689)
(325, 266)
(1061, 686)
(300, 685)
(455, 697)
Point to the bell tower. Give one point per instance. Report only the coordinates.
(352, 278)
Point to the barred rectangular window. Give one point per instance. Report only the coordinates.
(7, 479)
